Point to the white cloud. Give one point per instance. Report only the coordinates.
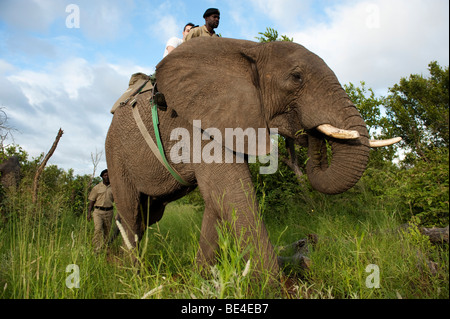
(166, 22)
(100, 20)
(165, 27)
(36, 15)
(5, 67)
(285, 13)
(380, 41)
(105, 20)
(126, 69)
(73, 95)
(76, 75)
(67, 79)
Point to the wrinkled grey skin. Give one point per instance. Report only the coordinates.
(10, 172)
(229, 83)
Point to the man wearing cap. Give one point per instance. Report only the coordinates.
(101, 201)
(212, 17)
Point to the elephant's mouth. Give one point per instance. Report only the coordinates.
(338, 133)
(338, 157)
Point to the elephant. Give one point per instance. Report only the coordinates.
(9, 179)
(224, 83)
(10, 172)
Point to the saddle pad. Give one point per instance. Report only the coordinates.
(135, 86)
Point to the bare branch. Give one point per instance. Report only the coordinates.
(44, 162)
(95, 160)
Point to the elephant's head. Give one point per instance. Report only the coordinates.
(229, 83)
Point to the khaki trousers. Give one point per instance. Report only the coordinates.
(102, 227)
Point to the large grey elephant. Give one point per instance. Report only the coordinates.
(229, 84)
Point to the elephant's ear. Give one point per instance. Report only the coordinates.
(211, 80)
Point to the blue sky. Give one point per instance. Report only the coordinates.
(53, 76)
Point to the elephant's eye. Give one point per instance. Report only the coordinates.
(297, 77)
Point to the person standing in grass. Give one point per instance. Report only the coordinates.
(101, 203)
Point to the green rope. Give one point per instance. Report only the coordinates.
(161, 149)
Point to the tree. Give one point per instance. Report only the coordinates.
(5, 130)
(42, 165)
(370, 106)
(418, 110)
(367, 104)
(272, 35)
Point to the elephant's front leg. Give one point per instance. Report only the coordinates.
(230, 197)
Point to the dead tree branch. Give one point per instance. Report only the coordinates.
(95, 160)
(42, 166)
(436, 235)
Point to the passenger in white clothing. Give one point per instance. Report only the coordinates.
(174, 41)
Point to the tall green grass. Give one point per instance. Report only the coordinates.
(38, 243)
(353, 235)
(37, 246)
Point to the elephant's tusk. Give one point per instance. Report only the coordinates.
(382, 143)
(335, 132)
(124, 235)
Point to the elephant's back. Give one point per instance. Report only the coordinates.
(212, 49)
(123, 134)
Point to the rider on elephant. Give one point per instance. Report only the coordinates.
(212, 17)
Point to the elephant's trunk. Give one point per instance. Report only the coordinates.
(336, 171)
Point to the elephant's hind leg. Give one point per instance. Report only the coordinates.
(126, 198)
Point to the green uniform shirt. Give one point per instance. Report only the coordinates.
(199, 32)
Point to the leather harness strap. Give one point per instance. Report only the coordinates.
(157, 150)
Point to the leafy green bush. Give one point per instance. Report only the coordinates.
(424, 189)
(417, 191)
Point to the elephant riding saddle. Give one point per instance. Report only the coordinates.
(140, 83)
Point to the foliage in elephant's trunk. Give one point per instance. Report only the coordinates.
(342, 171)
